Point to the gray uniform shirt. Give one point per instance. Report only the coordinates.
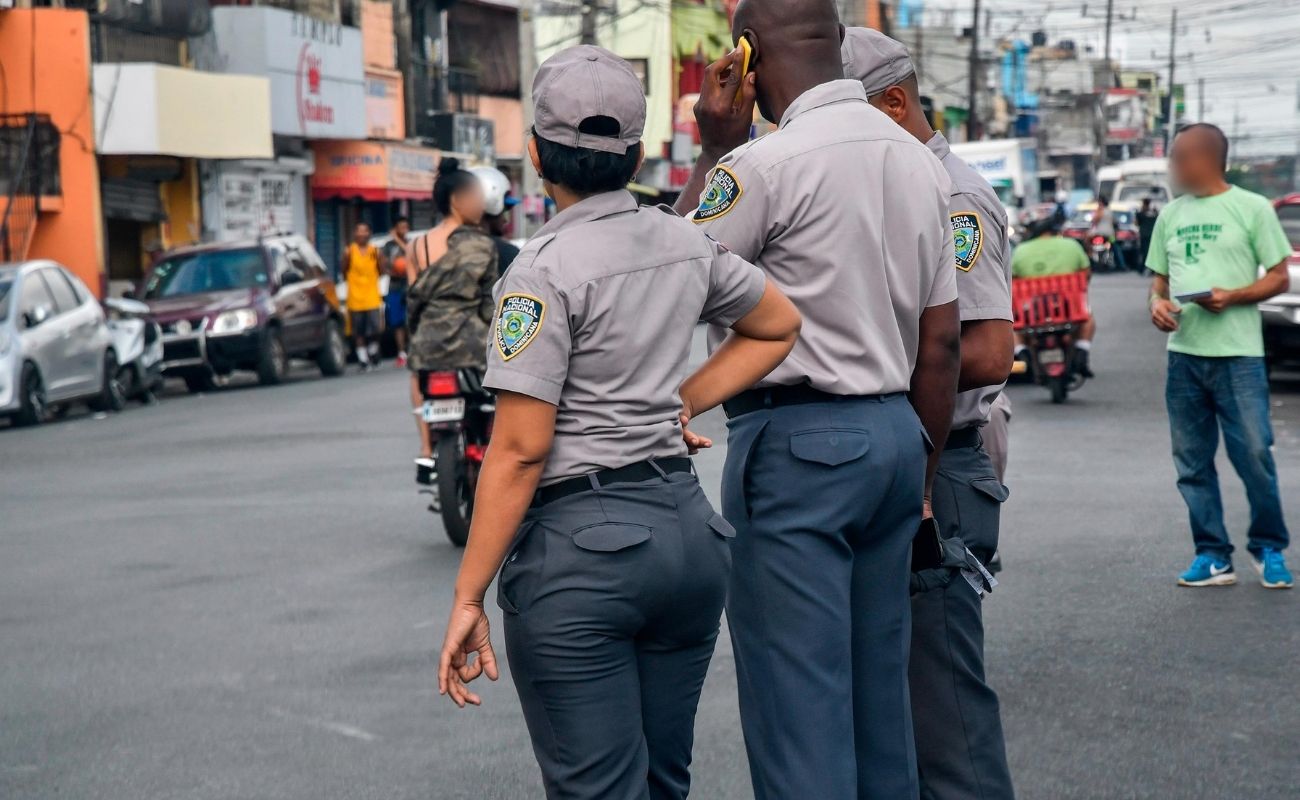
(848, 215)
(596, 317)
(983, 258)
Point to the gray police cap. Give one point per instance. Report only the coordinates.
(582, 82)
(876, 60)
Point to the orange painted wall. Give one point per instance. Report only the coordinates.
(60, 87)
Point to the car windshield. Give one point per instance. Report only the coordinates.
(1289, 215)
(6, 283)
(1136, 194)
(209, 271)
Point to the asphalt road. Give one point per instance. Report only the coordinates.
(238, 595)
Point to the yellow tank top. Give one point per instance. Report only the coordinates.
(363, 279)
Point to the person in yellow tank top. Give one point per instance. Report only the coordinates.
(362, 266)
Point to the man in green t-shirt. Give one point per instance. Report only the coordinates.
(1050, 253)
(1206, 251)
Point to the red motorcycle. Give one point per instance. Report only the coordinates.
(459, 413)
(1048, 314)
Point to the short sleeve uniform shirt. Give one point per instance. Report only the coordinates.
(848, 216)
(982, 261)
(596, 317)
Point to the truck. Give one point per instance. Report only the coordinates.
(1010, 166)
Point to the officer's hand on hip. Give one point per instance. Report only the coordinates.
(467, 632)
(694, 442)
(725, 110)
(1164, 314)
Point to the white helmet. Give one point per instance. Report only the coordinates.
(495, 188)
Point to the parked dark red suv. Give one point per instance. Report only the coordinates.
(248, 305)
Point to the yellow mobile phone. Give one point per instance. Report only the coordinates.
(748, 50)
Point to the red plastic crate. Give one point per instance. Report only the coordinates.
(1050, 300)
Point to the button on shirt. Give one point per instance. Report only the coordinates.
(983, 261)
(596, 316)
(847, 214)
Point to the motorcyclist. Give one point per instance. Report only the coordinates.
(1103, 225)
(1045, 253)
(497, 223)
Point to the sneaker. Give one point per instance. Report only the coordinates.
(401, 360)
(1208, 571)
(1081, 363)
(425, 471)
(1272, 570)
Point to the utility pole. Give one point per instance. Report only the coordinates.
(972, 125)
(587, 33)
(1110, 15)
(531, 184)
(1200, 99)
(1173, 109)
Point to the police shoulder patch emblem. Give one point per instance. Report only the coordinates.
(967, 238)
(518, 321)
(720, 195)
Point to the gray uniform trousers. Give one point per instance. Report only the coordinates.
(960, 751)
(612, 602)
(826, 498)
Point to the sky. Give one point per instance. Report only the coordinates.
(1248, 52)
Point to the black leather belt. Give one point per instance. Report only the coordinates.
(963, 438)
(774, 396)
(632, 473)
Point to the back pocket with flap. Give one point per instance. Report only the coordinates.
(609, 537)
(831, 446)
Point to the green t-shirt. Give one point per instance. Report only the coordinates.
(1217, 242)
(1048, 255)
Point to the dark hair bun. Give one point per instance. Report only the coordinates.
(448, 165)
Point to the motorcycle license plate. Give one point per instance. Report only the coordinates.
(1053, 356)
(450, 410)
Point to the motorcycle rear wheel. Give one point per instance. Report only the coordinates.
(456, 485)
(1059, 387)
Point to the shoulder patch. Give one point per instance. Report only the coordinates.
(518, 321)
(720, 195)
(967, 238)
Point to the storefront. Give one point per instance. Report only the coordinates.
(154, 126)
(320, 92)
(374, 182)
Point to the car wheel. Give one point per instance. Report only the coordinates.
(274, 362)
(33, 409)
(112, 397)
(200, 382)
(333, 357)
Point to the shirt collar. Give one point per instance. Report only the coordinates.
(823, 95)
(598, 206)
(939, 146)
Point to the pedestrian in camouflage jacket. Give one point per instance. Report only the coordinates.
(449, 307)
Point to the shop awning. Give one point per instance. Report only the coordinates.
(373, 171)
(152, 109)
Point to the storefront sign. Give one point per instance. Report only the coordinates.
(315, 67)
(374, 170)
(255, 203)
(385, 117)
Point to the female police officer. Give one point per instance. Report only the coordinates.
(614, 585)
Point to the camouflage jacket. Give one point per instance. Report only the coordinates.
(449, 307)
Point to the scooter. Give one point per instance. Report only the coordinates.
(1103, 258)
(459, 413)
(137, 341)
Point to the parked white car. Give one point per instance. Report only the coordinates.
(54, 345)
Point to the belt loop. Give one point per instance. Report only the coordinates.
(767, 398)
(595, 482)
(654, 465)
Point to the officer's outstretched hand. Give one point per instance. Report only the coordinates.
(467, 632)
(694, 442)
(725, 109)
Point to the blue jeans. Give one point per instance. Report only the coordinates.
(1204, 394)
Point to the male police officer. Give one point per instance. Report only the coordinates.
(959, 746)
(826, 465)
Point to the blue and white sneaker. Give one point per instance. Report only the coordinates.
(1272, 570)
(1208, 571)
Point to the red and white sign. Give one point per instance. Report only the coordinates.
(316, 69)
